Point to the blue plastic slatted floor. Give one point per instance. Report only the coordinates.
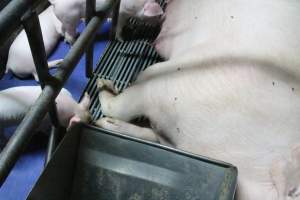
(29, 166)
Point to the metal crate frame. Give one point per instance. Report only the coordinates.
(18, 13)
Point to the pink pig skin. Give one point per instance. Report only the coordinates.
(229, 90)
(71, 11)
(20, 60)
(16, 101)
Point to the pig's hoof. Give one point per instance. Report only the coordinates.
(55, 63)
(69, 39)
(294, 192)
(296, 155)
(105, 97)
(107, 84)
(286, 174)
(107, 123)
(106, 100)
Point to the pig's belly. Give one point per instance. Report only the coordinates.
(20, 60)
(266, 30)
(15, 102)
(245, 115)
(12, 113)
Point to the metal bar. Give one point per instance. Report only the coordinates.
(35, 38)
(10, 16)
(3, 3)
(54, 140)
(114, 22)
(90, 12)
(34, 34)
(56, 134)
(24, 132)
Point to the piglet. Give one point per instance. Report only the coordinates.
(16, 101)
(20, 60)
(71, 11)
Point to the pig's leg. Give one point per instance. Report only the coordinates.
(114, 106)
(51, 64)
(122, 20)
(69, 26)
(163, 68)
(125, 106)
(279, 179)
(127, 128)
(286, 177)
(294, 189)
(54, 63)
(296, 155)
(105, 83)
(70, 35)
(35, 76)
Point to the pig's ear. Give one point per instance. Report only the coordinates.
(152, 9)
(85, 102)
(75, 119)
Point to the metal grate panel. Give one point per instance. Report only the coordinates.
(122, 61)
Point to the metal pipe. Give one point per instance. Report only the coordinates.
(114, 22)
(54, 139)
(33, 31)
(10, 16)
(11, 13)
(25, 130)
(90, 12)
(35, 38)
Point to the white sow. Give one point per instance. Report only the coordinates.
(229, 91)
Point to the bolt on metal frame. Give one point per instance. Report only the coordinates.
(20, 12)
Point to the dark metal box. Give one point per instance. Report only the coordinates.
(94, 164)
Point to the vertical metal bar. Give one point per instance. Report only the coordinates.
(114, 22)
(56, 134)
(34, 34)
(33, 31)
(54, 140)
(90, 12)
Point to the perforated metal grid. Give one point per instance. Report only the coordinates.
(123, 61)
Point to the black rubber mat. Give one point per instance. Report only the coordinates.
(122, 61)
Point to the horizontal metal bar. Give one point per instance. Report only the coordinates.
(11, 14)
(25, 130)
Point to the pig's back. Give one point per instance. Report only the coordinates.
(261, 30)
